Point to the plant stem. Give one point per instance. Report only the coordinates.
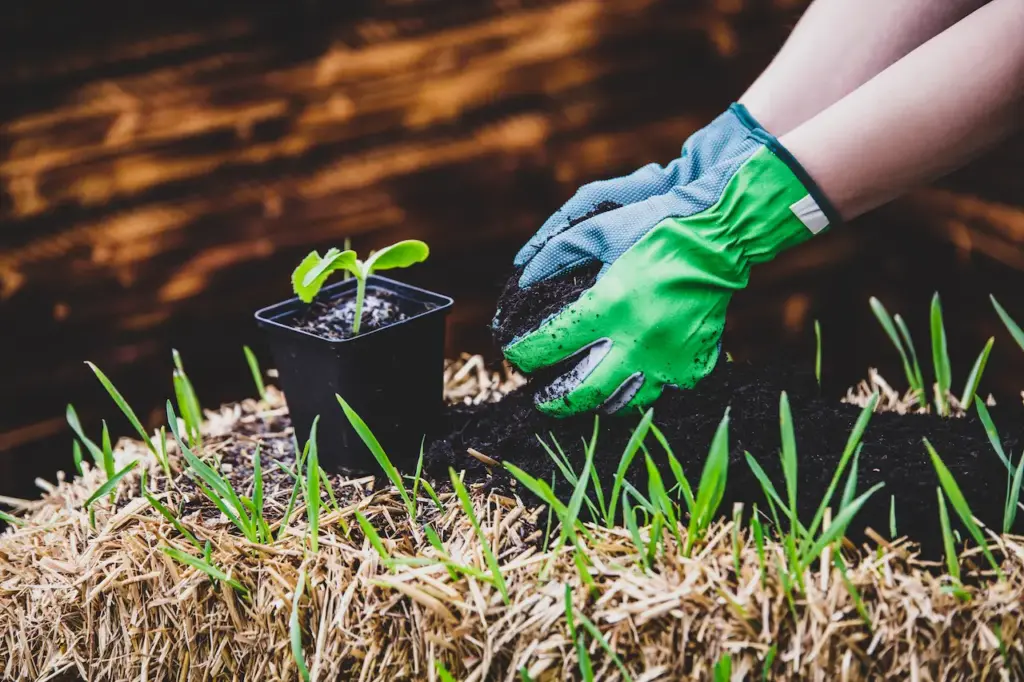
(360, 294)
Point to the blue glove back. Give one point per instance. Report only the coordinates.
(724, 137)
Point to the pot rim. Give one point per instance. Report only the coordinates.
(269, 316)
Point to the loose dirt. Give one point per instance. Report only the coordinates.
(332, 318)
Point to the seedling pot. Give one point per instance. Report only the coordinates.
(392, 376)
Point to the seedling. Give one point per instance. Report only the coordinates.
(205, 566)
(257, 374)
(940, 357)
(313, 271)
(295, 628)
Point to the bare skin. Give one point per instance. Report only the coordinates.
(837, 46)
(927, 114)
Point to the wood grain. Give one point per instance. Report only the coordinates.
(161, 174)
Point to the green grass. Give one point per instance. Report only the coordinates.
(12, 520)
(188, 402)
(442, 672)
(572, 616)
(492, 561)
(711, 488)
(257, 374)
(1011, 326)
(952, 559)
(374, 538)
(110, 485)
(295, 628)
(723, 669)
(897, 331)
(124, 406)
(171, 517)
(960, 506)
(219, 490)
(313, 491)
(206, 567)
(76, 456)
(378, 454)
(817, 352)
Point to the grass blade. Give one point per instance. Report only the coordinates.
(110, 485)
(711, 488)
(378, 453)
(76, 456)
(677, 470)
(788, 453)
(586, 668)
(374, 537)
(76, 426)
(1013, 497)
(638, 436)
(596, 633)
(11, 520)
(443, 673)
(940, 357)
(974, 378)
(492, 561)
(169, 515)
(125, 408)
(887, 324)
(858, 602)
(892, 517)
(1011, 326)
(257, 492)
(723, 669)
(295, 628)
(313, 489)
(204, 566)
(993, 434)
(634, 530)
(952, 560)
(918, 382)
(817, 352)
(257, 374)
(108, 452)
(963, 510)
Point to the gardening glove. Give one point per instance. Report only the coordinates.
(655, 315)
(703, 149)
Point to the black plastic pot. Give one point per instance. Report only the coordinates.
(393, 377)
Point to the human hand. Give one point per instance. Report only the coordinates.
(671, 262)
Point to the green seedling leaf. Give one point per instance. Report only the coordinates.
(769, 660)
(257, 373)
(309, 276)
(723, 669)
(952, 560)
(634, 530)
(858, 602)
(295, 628)
(374, 537)
(194, 409)
(125, 408)
(677, 470)
(110, 485)
(963, 510)
(992, 433)
(918, 382)
(297, 477)
(892, 517)
(817, 352)
(838, 527)
(627, 458)
(169, 515)
(108, 452)
(578, 495)
(660, 497)
(974, 378)
(1011, 326)
(313, 489)
(443, 673)
(595, 633)
(788, 452)
(399, 255)
(887, 324)
(11, 520)
(940, 357)
(257, 494)
(586, 668)
(711, 488)
(1013, 497)
(852, 446)
(492, 561)
(758, 530)
(204, 566)
(378, 453)
(76, 426)
(76, 455)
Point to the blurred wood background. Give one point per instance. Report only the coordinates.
(163, 168)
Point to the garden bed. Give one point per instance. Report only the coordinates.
(98, 598)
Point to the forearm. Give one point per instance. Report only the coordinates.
(836, 47)
(926, 115)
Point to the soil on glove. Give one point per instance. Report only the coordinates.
(332, 318)
(893, 450)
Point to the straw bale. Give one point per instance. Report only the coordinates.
(105, 603)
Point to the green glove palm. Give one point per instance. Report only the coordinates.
(655, 316)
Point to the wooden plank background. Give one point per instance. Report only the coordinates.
(163, 168)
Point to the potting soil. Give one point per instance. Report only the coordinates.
(332, 318)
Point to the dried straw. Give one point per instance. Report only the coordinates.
(106, 604)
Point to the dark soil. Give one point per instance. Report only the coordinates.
(522, 310)
(893, 450)
(332, 318)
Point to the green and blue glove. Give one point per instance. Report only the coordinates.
(671, 262)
